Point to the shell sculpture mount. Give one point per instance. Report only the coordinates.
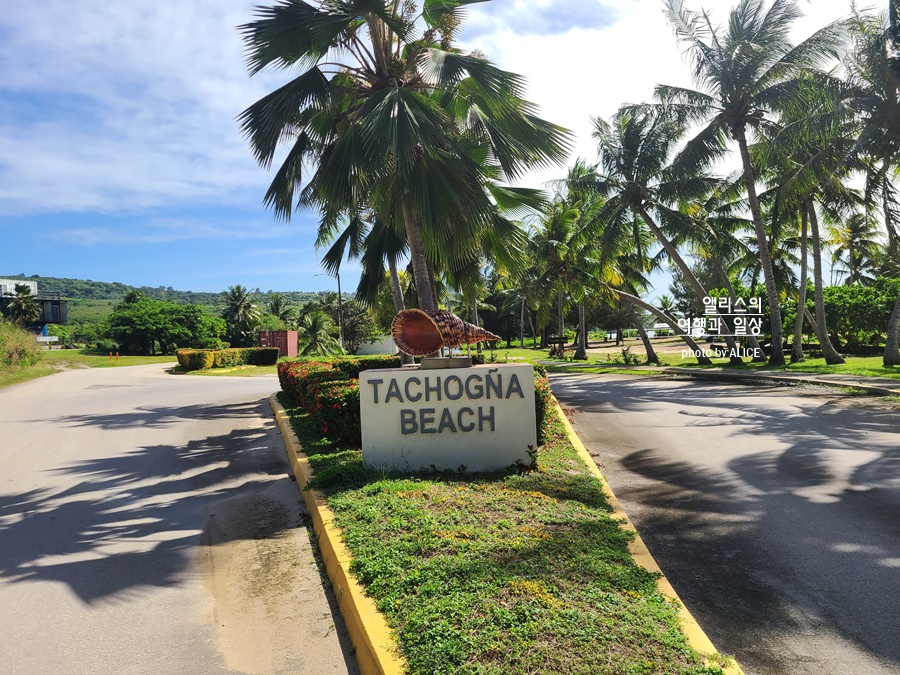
(419, 333)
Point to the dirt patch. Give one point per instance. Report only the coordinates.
(269, 603)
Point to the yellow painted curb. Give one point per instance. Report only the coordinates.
(376, 650)
(695, 635)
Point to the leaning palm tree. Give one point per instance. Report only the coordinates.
(634, 149)
(386, 108)
(744, 71)
(22, 307)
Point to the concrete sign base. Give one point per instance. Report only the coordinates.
(477, 419)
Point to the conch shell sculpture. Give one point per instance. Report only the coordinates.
(419, 333)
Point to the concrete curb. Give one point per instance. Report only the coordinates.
(695, 635)
(376, 650)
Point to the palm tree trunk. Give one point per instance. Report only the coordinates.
(475, 322)
(522, 324)
(418, 261)
(892, 345)
(759, 356)
(828, 350)
(581, 347)
(692, 281)
(797, 346)
(397, 297)
(648, 346)
(689, 341)
(776, 357)
(560, 322)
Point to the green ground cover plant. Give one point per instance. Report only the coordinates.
(516, 572)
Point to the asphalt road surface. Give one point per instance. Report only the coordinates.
(775, 512)
(148, 525)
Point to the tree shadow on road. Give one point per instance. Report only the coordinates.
(134, 518)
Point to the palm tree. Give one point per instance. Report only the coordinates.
(317, 335)
(279, 308)
(873, 74)
(855, 247)
(744, 72)
(22, 307)
(634, 149)
(386, 111)
(241, 314)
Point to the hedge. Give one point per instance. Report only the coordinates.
(202, 359)
(328, 391)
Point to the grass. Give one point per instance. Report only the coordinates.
(861, 366)
(236, 371)
(63, 359)
(502, 573)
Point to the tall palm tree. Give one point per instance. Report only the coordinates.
(744, 71)
(241, 314)
(22, 307)
(382, 108)
(873, 73)
(634, 149)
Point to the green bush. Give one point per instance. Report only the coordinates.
(202, 359)
(18, 348)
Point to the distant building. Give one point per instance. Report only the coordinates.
(53, 309)
(8, 286)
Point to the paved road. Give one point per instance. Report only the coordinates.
(775, 512)
(147, 525)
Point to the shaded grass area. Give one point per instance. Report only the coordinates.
(236, 371)
(501, 573)
(62, 359)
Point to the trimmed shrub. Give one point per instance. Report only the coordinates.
(201, 359)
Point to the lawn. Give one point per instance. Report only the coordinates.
(864, 366)
(504, 573)
(63, 359)
(236, 371)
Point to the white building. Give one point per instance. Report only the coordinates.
(8, 286)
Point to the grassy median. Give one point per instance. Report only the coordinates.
(503, 573)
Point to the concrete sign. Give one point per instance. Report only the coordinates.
(481, 418)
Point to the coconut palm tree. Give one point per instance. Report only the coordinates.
(634, 149)
(855, 247)
(385, 106)
(318, 335)
(241, 315)
(278, 307)
(22, 307)
(873, 74)
(744, 72)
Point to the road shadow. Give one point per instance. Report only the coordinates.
(774, 540)
(133, 519)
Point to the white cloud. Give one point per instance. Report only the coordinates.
(590, 72)
(116, 107)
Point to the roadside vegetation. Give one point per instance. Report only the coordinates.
(504, 573)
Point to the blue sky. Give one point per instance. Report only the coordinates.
(120, 157)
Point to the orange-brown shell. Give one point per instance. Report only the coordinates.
(419, 333)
